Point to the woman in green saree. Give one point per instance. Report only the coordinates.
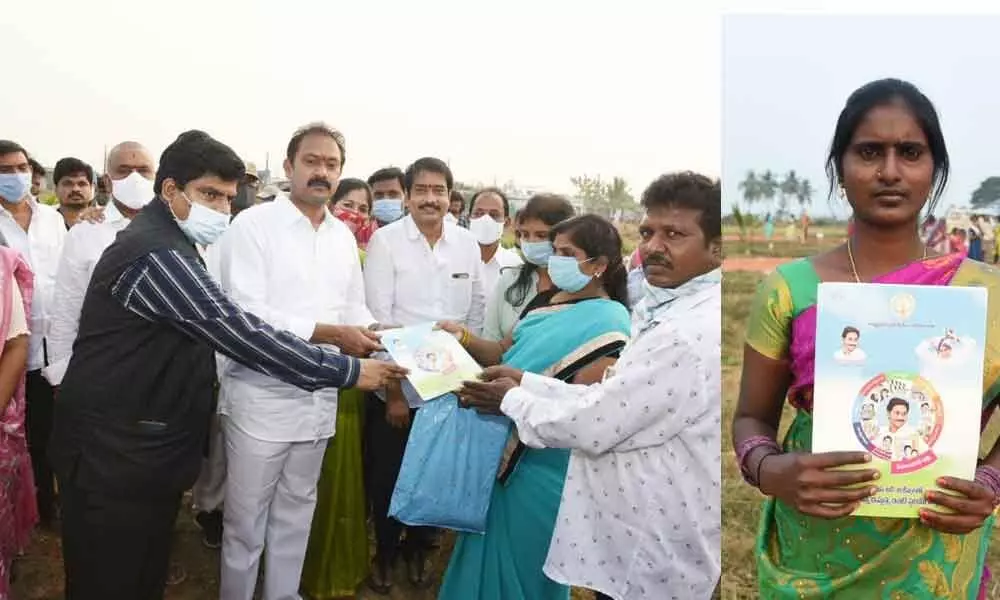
(888, 158)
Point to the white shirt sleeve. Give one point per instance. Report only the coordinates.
(653, 395)
(71, 283)
(477, 308)
(380, 279)
(357, 307)
(241, 262)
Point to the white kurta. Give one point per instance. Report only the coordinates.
(640, 513)
(84, 246)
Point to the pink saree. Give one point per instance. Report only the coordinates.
(18, 511)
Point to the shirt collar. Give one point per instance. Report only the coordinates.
(413, 234)
(29, 200)
(112, 214)
(290, 213)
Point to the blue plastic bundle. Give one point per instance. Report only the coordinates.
(450, 467)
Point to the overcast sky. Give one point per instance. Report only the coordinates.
(786, 78)
(532, 91)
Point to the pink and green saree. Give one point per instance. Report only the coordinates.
(800, 556)
(18, 511)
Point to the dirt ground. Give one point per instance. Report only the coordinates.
(40, 577)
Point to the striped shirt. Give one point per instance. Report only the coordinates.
(166, 287)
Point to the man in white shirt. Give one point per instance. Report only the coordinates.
(131, 172)
(489, 217)
(420, 269)
(37, 232)
(646, 440)
(297, 267)
(74, 182)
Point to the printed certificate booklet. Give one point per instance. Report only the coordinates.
(438, 364)
(899, 374)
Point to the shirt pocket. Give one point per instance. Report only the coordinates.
(458, 292)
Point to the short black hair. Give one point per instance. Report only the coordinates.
(69, 166)
(850, 329)
(897, 402)
(428, 164)
(320, 128)
(9, 147)
(37, 170)
(387, 173)
(348, 185)
(692, 191)
(195, 154)
(491, 190)
(883, 92)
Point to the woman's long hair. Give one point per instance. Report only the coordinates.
(550, 209)
(598, 237)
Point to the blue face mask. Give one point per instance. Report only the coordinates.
(566, 274)
(203, 225)
(14, 186)
(537, 253)
(387, 210)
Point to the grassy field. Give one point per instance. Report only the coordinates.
(741, 503)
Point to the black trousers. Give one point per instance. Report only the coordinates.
(384, 447)
(38, 427)
(115, 548)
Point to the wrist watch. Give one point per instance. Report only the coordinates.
(373, 327)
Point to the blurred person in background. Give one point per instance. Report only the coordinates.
(388, 195)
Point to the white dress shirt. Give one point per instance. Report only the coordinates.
(41, 246)
(407, 282)
(276, 265)
(85, 243)
(502, 260)
(640, 512)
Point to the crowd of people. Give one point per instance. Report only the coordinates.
(170, 327)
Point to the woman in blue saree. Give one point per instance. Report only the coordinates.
(572, 332)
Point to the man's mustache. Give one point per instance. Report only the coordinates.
(437, 206)
(657, 260)
(319, 182)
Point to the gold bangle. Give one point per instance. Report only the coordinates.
(465, 337)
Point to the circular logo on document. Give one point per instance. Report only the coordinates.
(898, 418)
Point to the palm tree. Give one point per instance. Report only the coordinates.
(768, 187)
(750, 187)
(788, 187)
(805, 193)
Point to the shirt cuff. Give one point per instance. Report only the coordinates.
(536, 384)
(55, 372)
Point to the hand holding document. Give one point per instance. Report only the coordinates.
(438, 364)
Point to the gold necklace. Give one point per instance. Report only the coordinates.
(854, 267)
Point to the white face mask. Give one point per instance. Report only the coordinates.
(135, 191)
(486, 230)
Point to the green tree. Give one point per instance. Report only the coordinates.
(805, 193)
(987, 193)
(768, 188)
(620, 199)
(788, 188)
(594, 194)
(751, 188)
